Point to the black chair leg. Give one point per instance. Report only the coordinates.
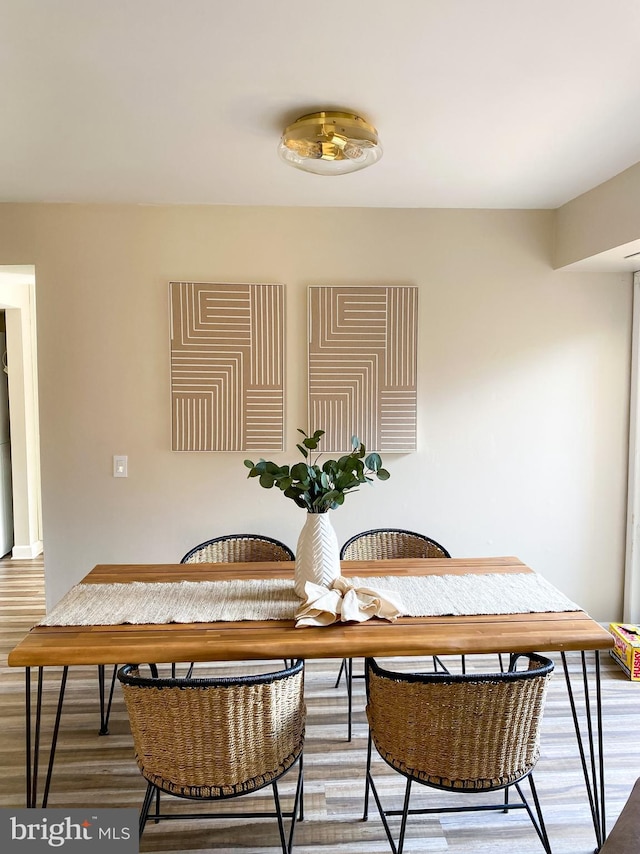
(405, 815)
(383, 816)
(146, 805)
(298, 804)
(276, 800)
(287, 844)
(365, 814)
(539, 825)
(301, 784)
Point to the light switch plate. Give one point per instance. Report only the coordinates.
(119, 466)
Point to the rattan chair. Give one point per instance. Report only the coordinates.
(383, 544)
(461, 733)
(234, 548)
(216, 738)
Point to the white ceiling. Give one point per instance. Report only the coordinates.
(478, 103)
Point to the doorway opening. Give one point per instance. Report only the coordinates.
(17, 303)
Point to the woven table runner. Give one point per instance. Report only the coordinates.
(274, 599)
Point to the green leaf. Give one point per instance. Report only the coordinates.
(300, 471)
(345, 480)
(373, 462)
(266, 480)
(248, 464)
(383, 474)
(303, 451)
(327, 498)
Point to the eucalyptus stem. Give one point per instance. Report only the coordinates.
(315, 488)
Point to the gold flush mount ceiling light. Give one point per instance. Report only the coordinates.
(330, 143)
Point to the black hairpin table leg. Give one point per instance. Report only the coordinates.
(105, 702)
(33, 744)
(590, 743)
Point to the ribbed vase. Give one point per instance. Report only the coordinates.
(317, 553)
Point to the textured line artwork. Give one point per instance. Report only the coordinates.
(227, 367)
(362, 366)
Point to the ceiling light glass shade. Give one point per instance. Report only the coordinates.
(330, 143)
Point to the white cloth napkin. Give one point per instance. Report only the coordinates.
(343, 602)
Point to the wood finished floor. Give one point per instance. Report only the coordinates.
(100, 771)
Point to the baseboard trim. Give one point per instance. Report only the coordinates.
(27, 552)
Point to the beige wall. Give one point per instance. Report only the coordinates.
(523, 383)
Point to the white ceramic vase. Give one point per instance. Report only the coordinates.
(317, 553)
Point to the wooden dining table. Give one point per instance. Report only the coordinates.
(569, 631)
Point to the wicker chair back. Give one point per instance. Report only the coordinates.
(215, 737)
(387, 543)
(233, 548)
(466, 732)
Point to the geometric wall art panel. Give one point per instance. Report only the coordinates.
(227, 367)
(362, 366)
